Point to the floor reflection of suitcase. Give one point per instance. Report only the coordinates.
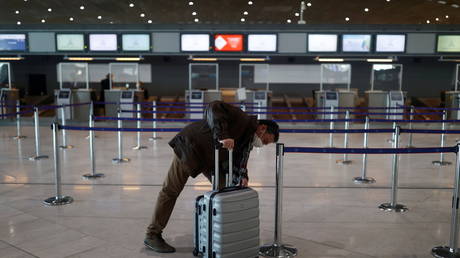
(227, 222)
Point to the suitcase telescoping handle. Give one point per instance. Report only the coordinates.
(215, 177)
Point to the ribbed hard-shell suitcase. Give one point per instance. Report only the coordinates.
(227, 221)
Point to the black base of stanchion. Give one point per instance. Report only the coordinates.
(395, 208)
(344, 162)
(139, 147)
(93, 176)
(19, 137)
(363, 180)
(154, 138)
(118, 161)
(39, 157)
(55, 201)
(445, 252)
(66, 146)
(441, 163)
(275, 250)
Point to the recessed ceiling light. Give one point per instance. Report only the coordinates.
(43, 21)
(149, 21)
(366, 10)
(388, 0)
(131, 5)
(243, 20)
(437, 19)
(190, 3)
(99, 17)
(427, 21)
(71, 19)
(17, 12)
(50, 10)
(455, 5)
(245, 13)
(194, 13)
(196, 20)
(142, 15)
(82, 7)
(18, 23)
(250, 3)
(308, 4)
(447, 16)
(347, 18)
(288, 20)
(296, 14)
(111, 22)
(442, 2)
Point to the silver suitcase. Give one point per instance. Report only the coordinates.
(227, 220)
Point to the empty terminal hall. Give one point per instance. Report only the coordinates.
(229, 129)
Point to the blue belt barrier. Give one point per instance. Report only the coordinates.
(85, 128)
(146, 119)
(17, 113)
(336, 131)
(370, 150)
(162, 112)
(430, 131)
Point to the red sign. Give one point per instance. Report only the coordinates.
(228, 43)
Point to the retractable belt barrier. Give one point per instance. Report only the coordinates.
(369, 150)
(107, 129)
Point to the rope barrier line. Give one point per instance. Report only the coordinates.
(430, 131)
(336, 131)
(370, 150)
(17, 113)
(147, 119)
(107, 129)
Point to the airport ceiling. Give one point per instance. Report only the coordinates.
(32, 12)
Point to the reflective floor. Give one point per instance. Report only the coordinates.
(325, 213)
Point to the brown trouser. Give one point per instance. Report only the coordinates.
(172, 187)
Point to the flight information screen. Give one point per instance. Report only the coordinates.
(390, 43)
(322, 43)
(228, 43)
(136, 42)
(12, 42)
(449, 43)
(356, 43)
(195, 42)
(262, 42)
(70, 42)
(103, 42)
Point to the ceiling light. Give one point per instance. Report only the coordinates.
(80, 58)
(288, 20)
(142, 15)
(196, 20)
(437, 19)
(366, 10)
(250, 3)
(82, 7)
(149, 21)
(308, 4)
(347, 18)
(111, 22)
(71, 19)
(12, 58)
(427, 21)
(131, 5)
(380, 60)
(249, 59)
(319, 59)
(194, 13)
(17, 12)
(243, 20)
(297, 14)
(18, 23)
(99, 17)
(25, 0)
(388, 0)
(455, 5)
(50, 10)
(245, 13)
(128, 59)
(190, 3)
(442, 2)
(204, 59)
(43, 21)
(447, 16)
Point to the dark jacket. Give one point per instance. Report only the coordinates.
(195, 144)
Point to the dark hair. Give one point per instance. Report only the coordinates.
(272, 128)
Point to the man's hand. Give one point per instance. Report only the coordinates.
(244, 182)
(228, 143)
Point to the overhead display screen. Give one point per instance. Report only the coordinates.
(103, 42)
(70, 42)
(356, 43)
(12, 42)
(390, 43)
(322, 43)
(195, 42)
(228, 43)
(262, 42)
(449, 43)
(136, 42)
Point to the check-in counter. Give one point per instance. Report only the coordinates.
(115, 95)
(78, 112)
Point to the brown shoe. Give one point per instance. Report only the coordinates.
(158, 244)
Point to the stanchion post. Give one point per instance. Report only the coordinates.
(393, 205)
(64, 133)
(392, 140)
(345, 160)
(331, 127)
(411, 117)
(58, 199)
(259, 110)
(18, 122)
(441, 161)
(91, 113)
(93, 174)
(363, 179)
(452, 250)
(37, 137)
(277, 248)
(120, 158)
(139, 125)
(154, 116)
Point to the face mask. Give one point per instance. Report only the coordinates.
(257, 142)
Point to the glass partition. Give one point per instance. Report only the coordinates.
(457, 71)
(254, 76)
(124, 75)
(386, 77)
(5, 75)
(335, 76)
(204, 76)
(73, 75)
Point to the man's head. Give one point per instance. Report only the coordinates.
(267, 131)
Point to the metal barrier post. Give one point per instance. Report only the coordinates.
(452, 250)
(154, 116)
(93, 174)
(345, 160)
(37, 137)
(18, 122)
(277, 248)
(139, 125)
(412, 110)
(64, 134)
(331, 127)
(363, 179)
(259, 110)
(120, 158)
(58, 199)
(441, 161)
(392, 140)
(393, 205)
